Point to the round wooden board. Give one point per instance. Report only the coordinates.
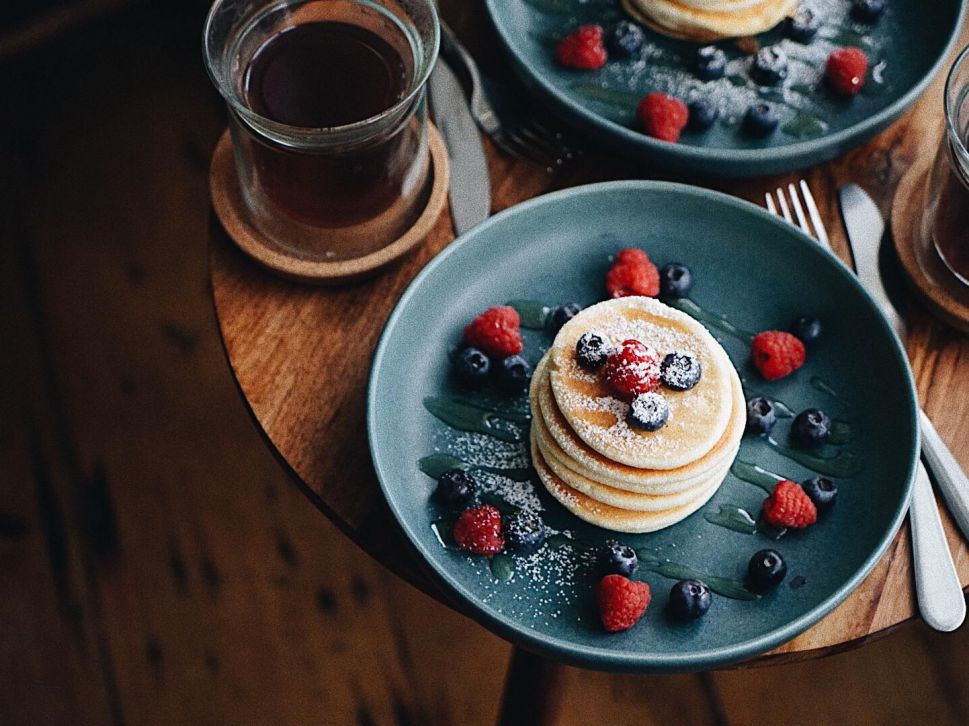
(301, 356)
(231, 210)
(926, 272)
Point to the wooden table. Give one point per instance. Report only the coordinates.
(301, 355)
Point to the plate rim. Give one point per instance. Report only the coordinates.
(604, 658)
(786, 154)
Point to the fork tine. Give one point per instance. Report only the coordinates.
(501, 141)
(563, 140)
(769, 201)
(785, 212)
(543, 145)
(522, 149)
(815, 215)
(798, 210)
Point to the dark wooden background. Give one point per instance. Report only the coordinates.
(156, 566)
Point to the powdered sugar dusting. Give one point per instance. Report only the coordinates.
(668, 67)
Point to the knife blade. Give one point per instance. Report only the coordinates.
(937, 585)
(865, 227)
(470, 188)
(860, 215)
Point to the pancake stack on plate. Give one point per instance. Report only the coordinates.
(606, 471)
(707, 20)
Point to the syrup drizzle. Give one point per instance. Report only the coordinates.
(738, 519)
(532, 314)
(436, 464)
(843, 464)
(713, 320)
(725, 586)
(477, 418)
(756, 475)
(781, 409)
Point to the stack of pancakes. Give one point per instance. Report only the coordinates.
(707, 20)
(606, 471)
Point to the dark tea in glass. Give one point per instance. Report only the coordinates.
(950, 228)
(945, 221)
(328, 117)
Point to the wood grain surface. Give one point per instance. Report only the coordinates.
(156, 566)
(297, 354)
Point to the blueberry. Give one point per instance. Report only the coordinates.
(802, 26)
(822, 491)
(765, 570)
(759, 120)
(806, 328)
(711, 63)
(524, 532)
(455, 486)
(592, 351)
(761, 415)
(689, 599)
(867, 11)
(680, 371)
(770, 66)
(649, 412)
(702, 115)
(615, 558)
(514, 373)
(562, 314)
(675, 280)
(811, 427)
(472, 366)
(624, 39)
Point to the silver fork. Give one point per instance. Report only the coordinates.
(519, 133)
(782, 209)
(938, 591)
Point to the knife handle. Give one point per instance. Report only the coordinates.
(937, 588)
(949, 476)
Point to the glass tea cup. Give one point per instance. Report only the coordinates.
(328, 117)
(944, 229)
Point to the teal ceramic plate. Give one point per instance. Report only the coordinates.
(906, 48)
(757, 271)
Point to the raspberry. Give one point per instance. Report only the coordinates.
(789, 506)
(582, 49)
(633, 369)
(496, 331)
(632, 256)
(621, 602)
(662, 117)
(846, 69)
(776, 354)
(478, 530)
(632, 274)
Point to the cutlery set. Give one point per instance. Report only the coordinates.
(939, 592)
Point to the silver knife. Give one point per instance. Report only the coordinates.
(940, 597)
(470, 190)
(864, 223)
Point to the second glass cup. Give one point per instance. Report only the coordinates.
(328, 117)
(945, 221)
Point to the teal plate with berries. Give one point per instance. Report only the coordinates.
(751, 272)
(906, 47)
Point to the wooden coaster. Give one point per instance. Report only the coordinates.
(232, 211)
(945, 296)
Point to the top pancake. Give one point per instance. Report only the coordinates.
(698, 417)
(706, 20)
